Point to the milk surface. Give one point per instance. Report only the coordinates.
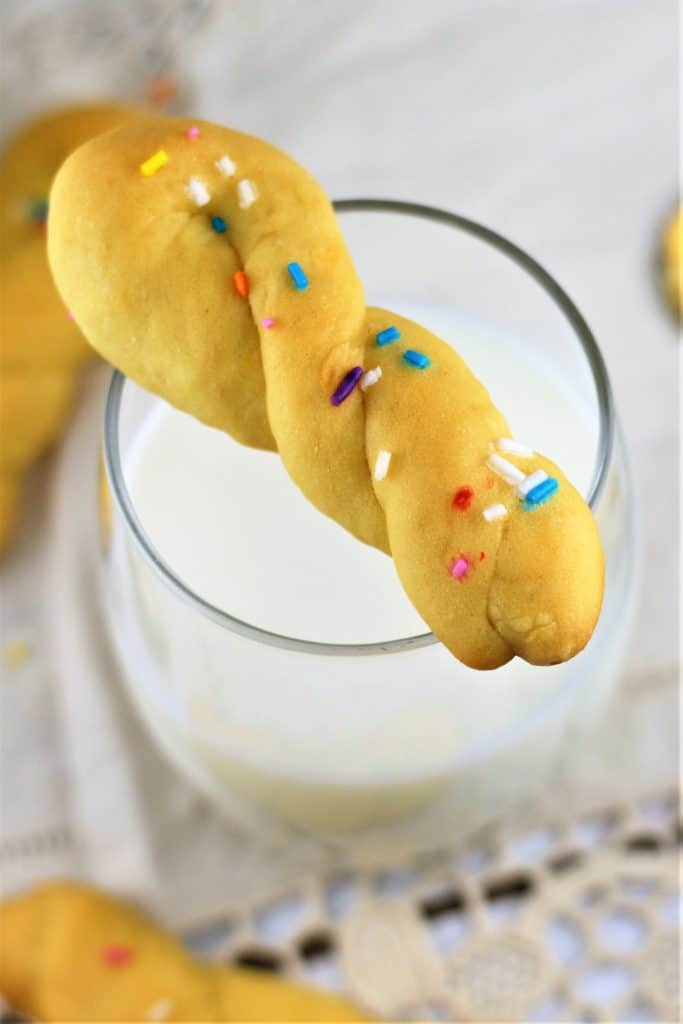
(238, 532)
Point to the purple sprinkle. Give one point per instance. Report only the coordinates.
(347, 385)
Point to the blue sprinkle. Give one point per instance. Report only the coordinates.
(388, 335)
(219, 225)
(417, 359)
(297, 275)
(541, 492)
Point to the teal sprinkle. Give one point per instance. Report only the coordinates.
(38, 210)
(388, 335)
(298, 276)
(219, 225)
(540, 493)
(416, 359)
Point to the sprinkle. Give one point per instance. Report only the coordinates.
(219, 225)
(15, 653)
(460, 567)
(482, 556)
(197, 191)
(154, 162)
(370, 378)
(388, 335)
(531, 481)
(161, 1010)
(541, 493)
(506, 444)
(346, 385)
(38, 210)
(226, 166)
(502, 468)
(463, 498)
(382, 465)
(241, 282)
(493, 512)
(117, 956)
(297, 275)
(161, 90)
(192, 132)
(416, 359)
(70, 316)
(246, 193)
(268, 322)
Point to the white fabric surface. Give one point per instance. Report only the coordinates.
(554, 124)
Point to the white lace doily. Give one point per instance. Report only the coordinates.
(574, 921)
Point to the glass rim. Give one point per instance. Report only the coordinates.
(606, 430)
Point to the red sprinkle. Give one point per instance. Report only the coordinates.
(241, 282)
(117, 956)
(463, 498)
(482, 556)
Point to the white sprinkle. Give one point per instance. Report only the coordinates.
(370, 378)
(529, 482)
(226, 166)
(160, 1010)
(197, 191)
(246, 193)
(506, 444)
(494, 512)
(505, 469)
(382, 465)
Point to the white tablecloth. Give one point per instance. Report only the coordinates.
(554, 123)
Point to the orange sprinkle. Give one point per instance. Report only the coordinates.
(241, 282)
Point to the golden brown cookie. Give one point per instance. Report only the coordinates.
(672, 263)
(69, 953)
(210, 268)
(41, 347)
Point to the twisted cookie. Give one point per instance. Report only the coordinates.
(210, 268)
(70, 953)
(41, 348)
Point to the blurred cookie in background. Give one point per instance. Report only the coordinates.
(671, 270)
(41, 348)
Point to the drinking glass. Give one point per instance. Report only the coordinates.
(390, 745)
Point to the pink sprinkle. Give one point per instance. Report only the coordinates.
(459, 568)
(268, 322)
(193, 132)
(116, 956)
(70, 316)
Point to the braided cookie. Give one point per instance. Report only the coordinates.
(41, 348)
(209, 267)
(70, 953)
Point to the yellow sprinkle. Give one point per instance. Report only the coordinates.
(15, 653)
(152, 165)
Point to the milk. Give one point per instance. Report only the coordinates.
(332, 744)
(236, 529)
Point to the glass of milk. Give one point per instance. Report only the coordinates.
(277, 661)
